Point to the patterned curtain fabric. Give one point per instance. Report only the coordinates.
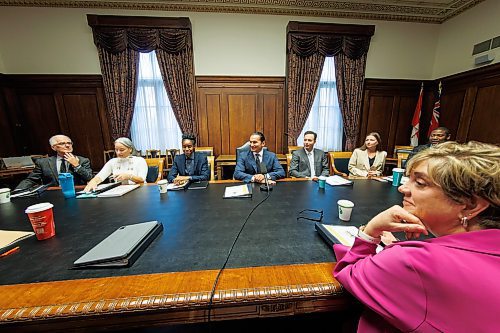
(350, 74)
(177, 70)
(302, 82)
(119, 74)
(175, 56)
(350, 58)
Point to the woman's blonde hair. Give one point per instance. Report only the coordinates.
(464, 171)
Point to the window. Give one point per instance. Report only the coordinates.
(153, 125)
(325, 117)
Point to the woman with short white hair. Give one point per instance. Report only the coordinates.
(125, 167)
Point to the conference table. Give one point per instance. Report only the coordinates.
(279, 266)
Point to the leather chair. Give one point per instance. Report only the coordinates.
(109, 154)
(155, 169)
(209, 151)
(153, 153)
(291, 149)
(339, 162)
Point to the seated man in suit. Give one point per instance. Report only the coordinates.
(248, 163)
(309, 161)
(439, 135)
(189, 166)
(47, 169)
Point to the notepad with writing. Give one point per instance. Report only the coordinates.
(10, 239)
(238, 191)
(122, 247)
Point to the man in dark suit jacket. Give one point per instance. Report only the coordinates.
(300, 165)
(247, 166)
(47, 169)
(439, 135)
(190, 166)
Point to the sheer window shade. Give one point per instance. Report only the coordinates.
(325, 117)
(153, 125)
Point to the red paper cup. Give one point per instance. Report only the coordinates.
(42, 220)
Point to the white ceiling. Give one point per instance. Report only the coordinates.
(429, 11)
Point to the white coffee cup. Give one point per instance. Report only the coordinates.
(4, 195)
(162, 186)
(345, 209)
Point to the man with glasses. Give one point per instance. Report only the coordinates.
(47, 169)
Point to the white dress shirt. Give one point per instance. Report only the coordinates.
(310, 156)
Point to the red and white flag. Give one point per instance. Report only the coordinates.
(436, 111)
(415, 123)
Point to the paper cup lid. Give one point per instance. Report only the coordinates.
(163, 182)
(345, 203)
(38, 207)
(5, 189)
(398, 169)
(322, 177)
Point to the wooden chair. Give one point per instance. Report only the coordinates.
(155, 164)
(209, 151)
(109, 154)
(402, 158)
(169, 157)
(402, 149)
(339, 162)
(288, 160)
(153, 153)
(211, 164)
(291, 149)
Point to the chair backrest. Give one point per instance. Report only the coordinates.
(402, 149)
(211, 164)
(155, 169)
(109, 154)
(244, 147)
(170, 155)
(153, 153)
(339, 162)
(291, 149)
(209, 151)
(288, 160)
(402, 158)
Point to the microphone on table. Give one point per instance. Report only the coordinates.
(263, 170)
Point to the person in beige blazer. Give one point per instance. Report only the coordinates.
(367, 160)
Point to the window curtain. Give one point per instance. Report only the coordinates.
(118, 35)
(154, 125)
(325, 117)
(325, 40)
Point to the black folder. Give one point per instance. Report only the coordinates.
(122, 247)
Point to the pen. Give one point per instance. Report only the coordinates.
(14, 250)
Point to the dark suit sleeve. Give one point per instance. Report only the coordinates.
(34, 178)
(277, 170)
(325, 170)
(84, 171)
(294, 165)
(205, 171)
(239, 170)
(174, 171)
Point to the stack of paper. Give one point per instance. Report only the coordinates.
(337, 180)
(118, 191)
(9, 239)
(238, 191)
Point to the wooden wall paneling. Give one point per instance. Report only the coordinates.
(243, 116)
(486, 114)
(7, 124)
(403, 127)
(379, 118)
(81, 110)
(452, 107)
(40, 121)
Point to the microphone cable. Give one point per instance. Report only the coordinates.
(212, 293)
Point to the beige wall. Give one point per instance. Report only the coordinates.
(458, 36)
(59, 41)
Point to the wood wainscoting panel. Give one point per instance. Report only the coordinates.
(486, 114)
(45, 105)
(231, 108)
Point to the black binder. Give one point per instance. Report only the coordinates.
(122, 247)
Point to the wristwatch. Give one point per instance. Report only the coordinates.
(368, 238)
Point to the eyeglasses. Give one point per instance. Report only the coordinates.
(311, 215)
(64, 143)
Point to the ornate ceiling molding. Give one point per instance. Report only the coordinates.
(430, 11)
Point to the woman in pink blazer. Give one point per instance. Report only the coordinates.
(446, 284)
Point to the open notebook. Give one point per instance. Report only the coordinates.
(118, 191)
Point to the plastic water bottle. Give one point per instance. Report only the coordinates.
(67, 185)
